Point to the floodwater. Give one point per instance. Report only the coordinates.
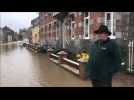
(19, 67)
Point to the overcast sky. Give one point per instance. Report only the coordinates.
(17, 20)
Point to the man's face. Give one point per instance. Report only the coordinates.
(102, 36)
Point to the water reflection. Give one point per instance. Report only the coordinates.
(7, 48)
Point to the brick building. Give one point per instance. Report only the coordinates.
(74, 30)
(35, 30)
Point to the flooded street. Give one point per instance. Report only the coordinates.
(16, 67)
(20, 67)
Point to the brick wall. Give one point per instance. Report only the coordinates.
(94, 20)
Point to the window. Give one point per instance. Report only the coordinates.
(73, 30)
(49, 31)
(35, 35)
(75, 14)
(49, 13)
(86, 25)
(52, 29)
(67, 29)
(86, 28)
(72, 26)
(80, 13)
(38, 29)
(57, 30)
(72, 17)
(46, 32)
(108, 16)
(79, 24)
(86, 14)
(40, 14)
(109, 22)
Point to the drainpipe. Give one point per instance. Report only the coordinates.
(62, 33)
(132, 56)
(129, 56)
(61, 39)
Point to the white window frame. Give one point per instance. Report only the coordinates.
(52, 30)
(73, 30)
(57, 30)
(75, 14)
(63, 35)
(87, 18)
(49, 35)
(47, 32)
(111, 22)
(80, 13)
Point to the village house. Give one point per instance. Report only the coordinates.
(66, 26)
(8, 34)
(35, 30)
(74, 31)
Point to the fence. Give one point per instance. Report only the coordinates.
(72, 66)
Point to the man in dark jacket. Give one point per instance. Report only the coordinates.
(105, 59)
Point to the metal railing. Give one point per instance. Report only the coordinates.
(70, 61)
(54, 55)
(72, 64)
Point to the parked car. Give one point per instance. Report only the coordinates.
(25, 42)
